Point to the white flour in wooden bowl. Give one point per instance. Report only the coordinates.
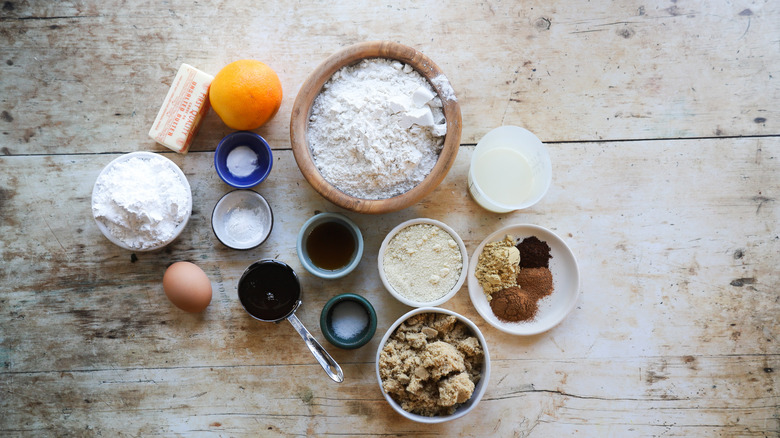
(376, 129)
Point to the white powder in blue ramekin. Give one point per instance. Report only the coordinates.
(241, 161)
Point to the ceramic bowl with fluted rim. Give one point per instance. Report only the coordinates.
(406, 300)
(179, 227)
(299, 123)
(479, 388)
(553, 308)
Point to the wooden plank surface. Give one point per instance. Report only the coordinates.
(662, 122)
(679, 306)
(568, 72)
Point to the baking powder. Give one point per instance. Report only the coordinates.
(244, 224)
(370, 134)
(141, 201)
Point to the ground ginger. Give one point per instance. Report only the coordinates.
(498, 265)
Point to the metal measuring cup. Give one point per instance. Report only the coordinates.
(270, 291)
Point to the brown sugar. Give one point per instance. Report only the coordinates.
(431, 364)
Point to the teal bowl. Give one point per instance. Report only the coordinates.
(348, 321)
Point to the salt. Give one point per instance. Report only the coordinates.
(349, 319)
(242, 161)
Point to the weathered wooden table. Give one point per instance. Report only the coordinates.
(663, 124)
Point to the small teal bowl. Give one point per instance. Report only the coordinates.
(262, 166)
(329, 321)
(305, 232)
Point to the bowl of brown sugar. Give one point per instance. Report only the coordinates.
(523, 279)
(433, 365)
(375, 127)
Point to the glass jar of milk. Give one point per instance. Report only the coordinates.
(510, 170)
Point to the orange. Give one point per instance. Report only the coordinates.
(245, 94)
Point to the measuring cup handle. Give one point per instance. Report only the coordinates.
(326, 361)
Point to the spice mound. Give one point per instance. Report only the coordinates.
(376, 129)
(498, 265)
(534, 253)
(515, 276)
(431, 364)
(142, 201)
(422, 262)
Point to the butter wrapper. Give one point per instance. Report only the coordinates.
(183, 109)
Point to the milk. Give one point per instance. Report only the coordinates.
(510, 170)
(504, 176)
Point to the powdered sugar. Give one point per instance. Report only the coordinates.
(368, 132)
(141, 200)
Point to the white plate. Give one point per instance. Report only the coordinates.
(552, 308)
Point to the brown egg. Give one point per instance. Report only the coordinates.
(187, 286)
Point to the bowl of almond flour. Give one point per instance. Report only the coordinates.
(376, 127)
(422, 262)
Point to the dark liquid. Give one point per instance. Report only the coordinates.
(269, 290)
(330, 245)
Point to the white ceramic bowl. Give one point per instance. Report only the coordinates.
(250, 205)
(479, 389)
(553, 308)
(455, 288)
(149, 156)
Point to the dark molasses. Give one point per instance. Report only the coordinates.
(269, 290)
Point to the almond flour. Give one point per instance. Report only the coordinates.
(422, 262)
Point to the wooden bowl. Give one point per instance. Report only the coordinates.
(299, 124)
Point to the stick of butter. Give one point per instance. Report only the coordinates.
(183, 109)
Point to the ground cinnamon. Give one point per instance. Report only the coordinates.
(512, 305)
